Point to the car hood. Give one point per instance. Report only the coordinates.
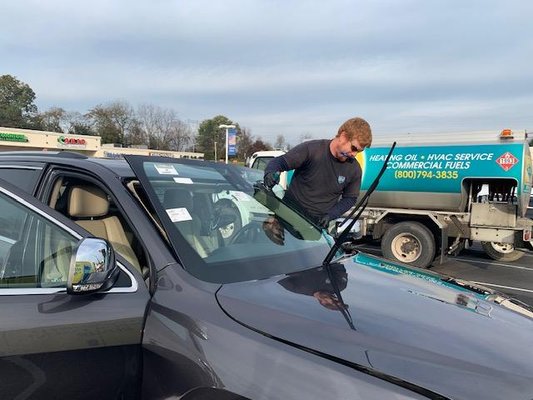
(404, 324)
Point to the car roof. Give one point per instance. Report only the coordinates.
(119, 166)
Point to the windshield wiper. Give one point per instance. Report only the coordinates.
(359, 208)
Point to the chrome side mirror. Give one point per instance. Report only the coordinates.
(92, 267)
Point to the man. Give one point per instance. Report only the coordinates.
(327, 177)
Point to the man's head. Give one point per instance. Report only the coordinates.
(353, 137)
(274, 230)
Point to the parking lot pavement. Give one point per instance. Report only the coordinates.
(514, 279)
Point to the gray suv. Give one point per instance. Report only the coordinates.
(116, 283)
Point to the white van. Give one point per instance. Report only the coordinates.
(260, 159)
(263, 157)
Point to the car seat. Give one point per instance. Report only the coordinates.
(88, 206)
(188, 223)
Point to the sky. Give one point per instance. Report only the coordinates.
(287, 67)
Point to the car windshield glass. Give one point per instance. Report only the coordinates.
(223, 227)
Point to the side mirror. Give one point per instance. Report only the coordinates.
(92, 267)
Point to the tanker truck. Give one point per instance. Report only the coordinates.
(438, 196)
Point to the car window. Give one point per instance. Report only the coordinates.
(94, 209)
(24, 178)
(33, 251)
(222, 227)
(261, 163)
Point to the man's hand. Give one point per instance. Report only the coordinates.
(271, 179)
(323, 221)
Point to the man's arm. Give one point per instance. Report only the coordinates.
(277, 164)
(341, 207)
(272, 170)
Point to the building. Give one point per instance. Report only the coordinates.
(12, 139)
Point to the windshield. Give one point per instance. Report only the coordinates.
(222, 226)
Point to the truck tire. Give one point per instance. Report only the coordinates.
(501, 251)
(409, 242)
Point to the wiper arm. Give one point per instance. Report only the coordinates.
(359, 208)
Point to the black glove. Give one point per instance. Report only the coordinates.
(323, 221)
(271, 179)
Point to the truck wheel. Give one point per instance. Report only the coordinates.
(501, 251)
(409, 242)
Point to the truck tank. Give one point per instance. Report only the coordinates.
(445, 173)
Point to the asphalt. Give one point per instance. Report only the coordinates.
(514, 279)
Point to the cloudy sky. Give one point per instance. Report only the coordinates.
(283, 66)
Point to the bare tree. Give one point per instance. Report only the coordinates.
(53, 120)
(162, 128)
(280, 142)
(78, 124)
(244, 143)
(112, 121)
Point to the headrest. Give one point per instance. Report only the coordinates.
(87, 201)
(177, 198)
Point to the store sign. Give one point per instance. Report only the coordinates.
(71, 141)
(12, 137)
(160, 154)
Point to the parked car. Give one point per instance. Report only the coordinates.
(115, 284)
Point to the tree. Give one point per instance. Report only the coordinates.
(244, 144)
(259, 145)
(53, 120)
(17, 109)
(78, 124)
(111, 121)
(280, 142)
(209, 133)
(162, 129)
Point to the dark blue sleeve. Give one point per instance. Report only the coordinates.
(277, 164)
(341, 207)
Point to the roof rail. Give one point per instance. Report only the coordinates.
(63, 154)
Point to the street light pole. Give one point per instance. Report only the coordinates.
(227, 127)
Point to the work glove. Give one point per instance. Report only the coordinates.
(271, 179)
(323, 221)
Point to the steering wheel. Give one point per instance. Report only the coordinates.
(247, 234)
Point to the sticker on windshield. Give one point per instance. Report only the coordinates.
(241, 196)
(166, 169)
(179, 214)
(183, 180)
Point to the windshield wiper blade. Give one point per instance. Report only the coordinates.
(359, 208)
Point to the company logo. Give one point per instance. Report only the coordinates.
(71, 141)
(341, 179)
(507, 161)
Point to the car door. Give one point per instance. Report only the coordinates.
(54, 344)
